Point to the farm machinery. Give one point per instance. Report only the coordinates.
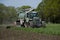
(30, 19)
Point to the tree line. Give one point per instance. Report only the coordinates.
(7, 14)
(50, 10)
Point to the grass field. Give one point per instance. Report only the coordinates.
(53, 29)
(51, 32)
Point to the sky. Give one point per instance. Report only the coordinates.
(19, 3)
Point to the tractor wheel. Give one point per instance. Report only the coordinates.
(25, 25)
(31, 24)
(22, 25)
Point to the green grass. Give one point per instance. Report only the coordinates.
(53, 29)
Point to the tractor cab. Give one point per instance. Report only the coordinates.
(32, 15)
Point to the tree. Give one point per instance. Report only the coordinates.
(50, 9)
(12, 13)
(2, 12)
(7, 14)
(24, 7)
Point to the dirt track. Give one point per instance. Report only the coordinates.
(7, 34)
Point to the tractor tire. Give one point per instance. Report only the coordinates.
(22, 25)
(31, 24)
(25, 25)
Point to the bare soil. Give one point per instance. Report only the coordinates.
(8, 34)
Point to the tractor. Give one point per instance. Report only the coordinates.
(30, 19)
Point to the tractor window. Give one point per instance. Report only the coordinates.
(31, 15)
(34, 14)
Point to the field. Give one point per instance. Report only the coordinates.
(51, 32)
(53, 29)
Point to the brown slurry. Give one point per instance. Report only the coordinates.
(7, 34)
